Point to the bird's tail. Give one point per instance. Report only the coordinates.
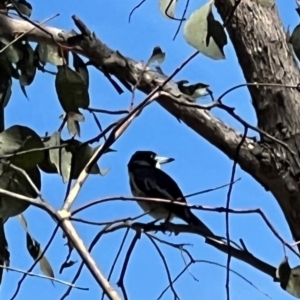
(191, 219)
(4, 253)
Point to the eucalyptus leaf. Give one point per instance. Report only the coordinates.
(14, 181)
(6, 67)
(5, 88)
(21, 138)
(73, 120)
(12, 52)
(81, 68)
(60, 160)
(33, 246)
(71, 90)
(45, 266)
(48, 54)
(204, 33)
(27, 65)
(23, 6)
(46, 165)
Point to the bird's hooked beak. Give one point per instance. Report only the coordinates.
(162, 160)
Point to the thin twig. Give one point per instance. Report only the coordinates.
(27, 273)
(165, 265)
(117, 256)
(120, 282)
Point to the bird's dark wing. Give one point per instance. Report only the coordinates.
(157, 184)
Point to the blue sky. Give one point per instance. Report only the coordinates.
(198, 165)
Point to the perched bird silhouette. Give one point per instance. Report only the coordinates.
(148, 180)
(193, 90)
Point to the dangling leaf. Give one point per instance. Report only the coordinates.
(26, 65)
(33, 246)
(75, 155)
(20, 138)
(14, 181)
(34, 249)
(5, 88)
(71, 90)
(204, 33)
(12, 52)
(73, 120)
(48, 54)
(6, 67)
(46, 165)
(23, 6)
(167, 8)
(58, 160)
(81, 68)
(45, 266)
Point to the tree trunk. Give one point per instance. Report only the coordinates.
(261, 47)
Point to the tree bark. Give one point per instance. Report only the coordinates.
(261, 47)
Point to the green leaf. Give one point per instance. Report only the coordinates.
(20, 138)
(6, 67)
(204, 33)
(33, 246)
(81, 68)
(63, 158)
(5, 88)
(26, 65)
(45, 266)
(73, 120)
(71, 90)
(167, 7)
(35, 251)
(24, 7)
(15, 181)
(48, 54)
(12, 52)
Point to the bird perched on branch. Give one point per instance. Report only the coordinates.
(148, 180)
(193, 90)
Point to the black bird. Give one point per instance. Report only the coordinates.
(193, 90)
(148, 180)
